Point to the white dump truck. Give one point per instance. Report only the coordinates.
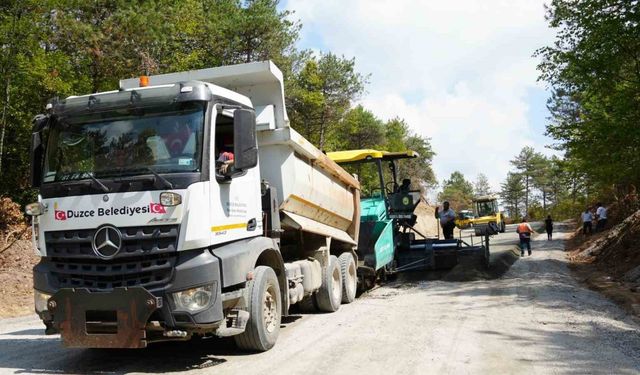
(184, 204)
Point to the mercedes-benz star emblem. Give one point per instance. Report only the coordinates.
(107, 242)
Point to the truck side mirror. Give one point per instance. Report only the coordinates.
(245, 149)
(37, 150)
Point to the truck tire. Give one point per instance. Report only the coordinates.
(265, 306)
(329, 295)
(349, 277)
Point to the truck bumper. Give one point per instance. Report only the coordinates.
(116, 319)
(130, 317)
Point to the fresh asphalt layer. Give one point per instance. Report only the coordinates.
(533, 318)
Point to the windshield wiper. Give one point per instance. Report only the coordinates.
(164, 180)
(104, 187)
(80, 182)
(121, 175)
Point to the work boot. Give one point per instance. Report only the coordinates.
(529, 253)
(522, 254)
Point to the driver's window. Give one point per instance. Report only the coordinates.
(224, 145)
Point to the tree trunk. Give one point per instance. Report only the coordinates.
(322, 131)
(7, 77)
(526, 195)
(3, 120)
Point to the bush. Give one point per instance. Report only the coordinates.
(13, 225)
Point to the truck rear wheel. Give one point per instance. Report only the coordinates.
(329, 295)
(349, 277)
(265, 306)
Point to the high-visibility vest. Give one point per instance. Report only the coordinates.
(523, 228)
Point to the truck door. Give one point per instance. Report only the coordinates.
(235, 207)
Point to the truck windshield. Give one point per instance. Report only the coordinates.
(128, 142)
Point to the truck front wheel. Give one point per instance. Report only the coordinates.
(329, 296)
(265, 306)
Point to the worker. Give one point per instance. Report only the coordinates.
(601, 217)
(447, 220)
(587, 219)
(524, 231)
(406, 186)
(548, 226)
(226, 157)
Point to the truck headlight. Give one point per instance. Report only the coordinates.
(193, 299)
(40, 300)
(169, 199)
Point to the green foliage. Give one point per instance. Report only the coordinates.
(419, 169)
(593, 71)
(458, 191)
(396, 132)
(528, 163)
(361, 129)
(512, 194)
(557, 188)
(321, 93)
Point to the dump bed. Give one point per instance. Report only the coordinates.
(316, 194)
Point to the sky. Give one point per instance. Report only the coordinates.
(460, 72)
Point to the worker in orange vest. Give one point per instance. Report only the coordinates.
(524, 231)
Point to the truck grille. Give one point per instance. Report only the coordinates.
(147, 258)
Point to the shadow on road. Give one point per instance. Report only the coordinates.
(28, 354)
(161, 357)
(571, 349)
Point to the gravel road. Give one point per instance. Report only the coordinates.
(535, 319)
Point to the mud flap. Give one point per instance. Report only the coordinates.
(114, 319)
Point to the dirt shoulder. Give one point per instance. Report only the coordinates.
(16, 279)
(609, 262)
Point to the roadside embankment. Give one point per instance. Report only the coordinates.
(609, 262)
(16, 261)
